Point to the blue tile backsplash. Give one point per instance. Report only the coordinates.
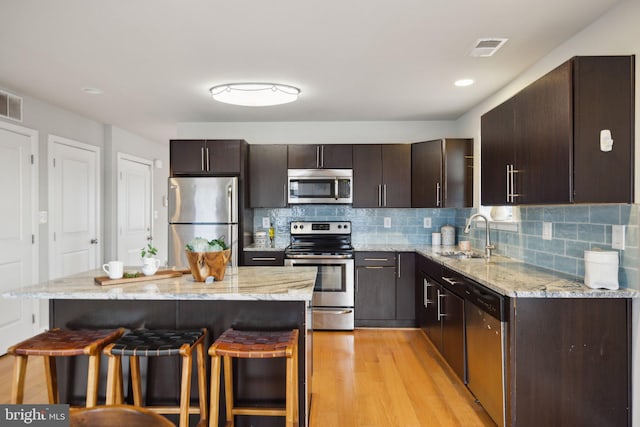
(575, 229)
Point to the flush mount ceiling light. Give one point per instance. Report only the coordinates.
(92, 90)
(463, 82)
(254, 94)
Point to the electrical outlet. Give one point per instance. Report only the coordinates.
(547, 230)
(43, 217)
(387, 222)
(265, 222)
(426, 222)
(617, 236)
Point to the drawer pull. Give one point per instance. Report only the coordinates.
(262, 259)
(376, 259)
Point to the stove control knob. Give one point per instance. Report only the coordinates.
(295, 226)
(339, 226)
(301, 227)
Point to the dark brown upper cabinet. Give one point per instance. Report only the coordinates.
(382, 176)
(267, 176)
(200, 157)
(442, 173)
(543, 146)
(309, 156)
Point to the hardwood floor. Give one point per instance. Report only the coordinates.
(387, 377)
(369, 377)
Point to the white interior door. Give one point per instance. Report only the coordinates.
(134, 207)
(74, 176)
(18, 252)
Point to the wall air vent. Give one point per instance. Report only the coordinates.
(10, 106)
(487, 47)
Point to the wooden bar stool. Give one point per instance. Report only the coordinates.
(58, 343)
(116, 415)
(254, 345)
(158, 343)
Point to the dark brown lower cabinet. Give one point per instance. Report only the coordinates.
(263, 258)
(569, 362)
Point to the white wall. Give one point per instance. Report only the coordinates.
(320, 132)
(120, 141)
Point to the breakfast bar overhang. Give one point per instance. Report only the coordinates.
(256, 298)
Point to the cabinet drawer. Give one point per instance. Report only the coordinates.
(266, 258)
(375, 259)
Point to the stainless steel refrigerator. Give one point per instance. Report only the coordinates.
(202, 207)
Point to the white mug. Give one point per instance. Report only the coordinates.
(436, 239)
(150, 266)
(114, 269)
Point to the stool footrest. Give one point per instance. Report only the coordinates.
(269, 412)
(171, 409)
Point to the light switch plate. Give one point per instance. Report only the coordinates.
(387, 222)
(617, 236)
(426, 222)
(547, 230)
(265, 222)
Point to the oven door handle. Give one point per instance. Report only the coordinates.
(333, 310)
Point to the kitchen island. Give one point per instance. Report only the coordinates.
(254, 298)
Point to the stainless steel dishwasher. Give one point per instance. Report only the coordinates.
(486, 342)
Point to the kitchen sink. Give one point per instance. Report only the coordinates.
(460, 254)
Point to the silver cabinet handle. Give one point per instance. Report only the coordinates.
(399, 256)
(426, 285)
(438, 194)
(384, 192)
(450, 281)
(322, 156)
(373, 268)
(440, 315)
(202, 158)
(263, 259)
(208, 165)
(376, 259)
(508, 182)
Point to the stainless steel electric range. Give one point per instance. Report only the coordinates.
(326, 245)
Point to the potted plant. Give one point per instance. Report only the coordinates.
(207, 258)
(150, 264)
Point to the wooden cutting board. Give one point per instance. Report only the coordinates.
(160, 274)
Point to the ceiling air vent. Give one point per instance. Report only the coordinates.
(487, 47)
(10, 106)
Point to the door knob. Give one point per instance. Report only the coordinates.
(149, 238)
(94, 241)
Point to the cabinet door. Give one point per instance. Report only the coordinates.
(457, 190)
(405, 286)
(453, 346)
(543, 124)
(224, 157)
(426, 174)
(433, 310)
(367, 176)
(497, 151)
(267, 176)
(603, 99)
(375, 293)
(187, 157)
(303, 156)
(337, 156)
(396, 175)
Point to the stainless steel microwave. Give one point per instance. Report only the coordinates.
(320, 186)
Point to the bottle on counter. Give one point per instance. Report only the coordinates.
(272, 236)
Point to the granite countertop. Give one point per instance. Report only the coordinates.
(253, 247)
(250, 283)
(509, 276)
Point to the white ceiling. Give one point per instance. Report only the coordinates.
(352, 59)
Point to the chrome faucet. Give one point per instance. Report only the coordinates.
(487, 246)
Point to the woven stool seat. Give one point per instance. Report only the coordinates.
(61, 343)
(254, 345)
(159, 343)
(149, 343)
